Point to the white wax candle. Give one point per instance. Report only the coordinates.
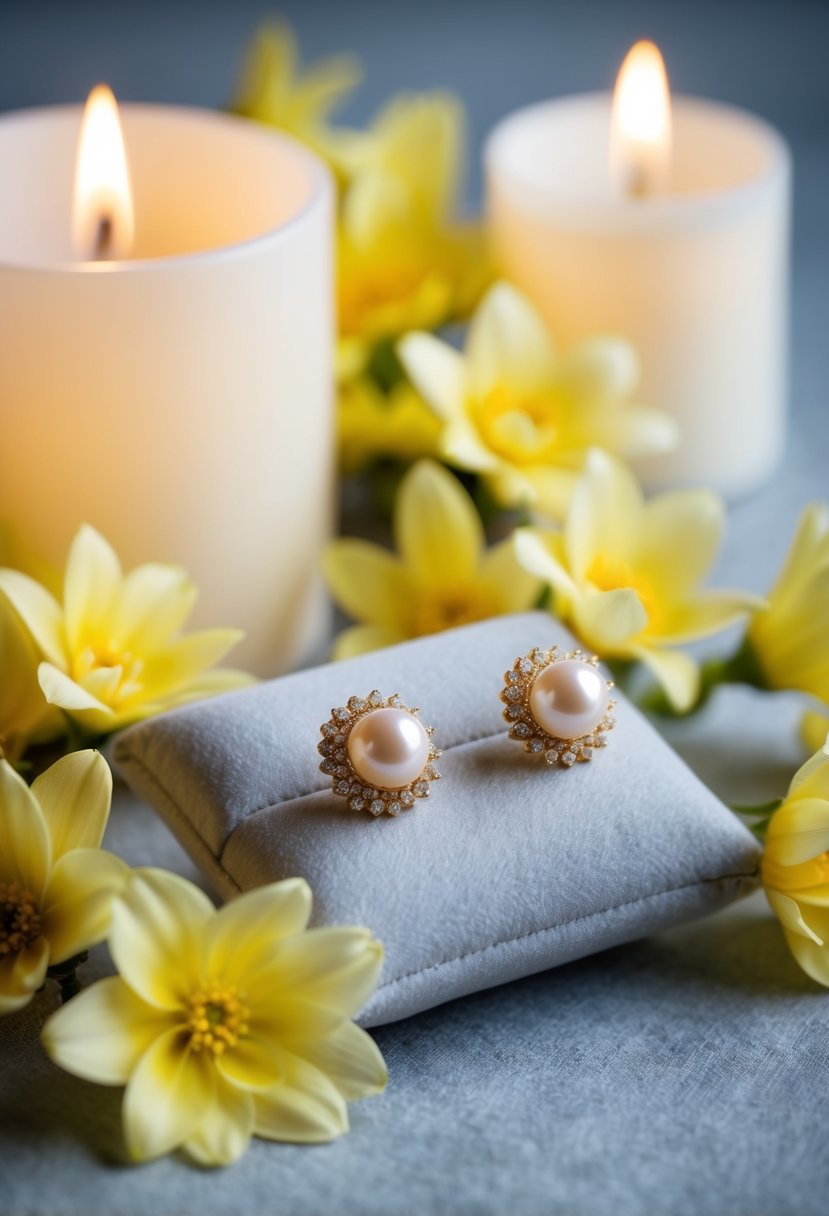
(695, 277)
(180, 401)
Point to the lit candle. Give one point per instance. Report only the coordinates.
(666, 222)
(166, 353)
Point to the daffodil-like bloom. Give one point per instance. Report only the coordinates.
(404, 261)
(374, 424)
(442, 577)
(56, 884)
(796, 866)
(523, 416)
(789, 638)
(274, 91)
(225, 1024)
(25, 715)
(113, 652)
(626, 572)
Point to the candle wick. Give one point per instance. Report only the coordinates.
(102, 250)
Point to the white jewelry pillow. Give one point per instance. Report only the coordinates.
(510, 866)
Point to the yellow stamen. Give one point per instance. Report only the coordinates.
(217, 1018)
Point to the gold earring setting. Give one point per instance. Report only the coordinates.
(379, 754)
(557, 705)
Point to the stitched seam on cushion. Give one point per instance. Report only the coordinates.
(564, 924)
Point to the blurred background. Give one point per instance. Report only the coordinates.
(770, 57)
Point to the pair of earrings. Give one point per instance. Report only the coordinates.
(381, 757)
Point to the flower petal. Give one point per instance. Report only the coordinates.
(799, 831)
(679, 537)
(103, 1032)
(40, 612)
(350, 1058)
(154, 940)
(708, 613)
(505, 581)
(508, 342)
(811, 956)
(166, 1096)
(152, 605)
(305, 1108)
(361, 639)
(461, 445)
(367, 582)
(336, 968)
(437, 530)
(814, 726)
(605, 514)
(25, 850)
(602, 368)
(437, 371)
(59, 689)
(22, 974)
(676, 671)
(172, 668)
(243, 936)
(75, 796)
(77, 902)
(608, 621)
(541, 554)
(255, 1062)
(225, 1129)
(93, 576)
(788, 913)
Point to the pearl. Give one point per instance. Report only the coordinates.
(569, 699)
(388, 748)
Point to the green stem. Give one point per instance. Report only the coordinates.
(65, 974)
(762, 813)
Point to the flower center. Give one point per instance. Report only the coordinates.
(217, 1018)
(20, 921)
(122, 668)
(609, 573)
(437, 612)
(523, 428)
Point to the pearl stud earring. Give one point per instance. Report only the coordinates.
(557, 705)
(379, 754)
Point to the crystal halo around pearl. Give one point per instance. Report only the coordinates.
(558, 705)
(378, 754)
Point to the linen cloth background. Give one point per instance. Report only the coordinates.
(682, 1075)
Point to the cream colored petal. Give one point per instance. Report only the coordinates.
(605, 514)
(437, 371)
(803, 557)
(171, 669)
(708, 613)
(811, 957)
(93, 576)
(540, 554)
(635, 431)
(504, 580)
(600, 368)
(814, 726)
(59, 689)
(225, 1129)
(367, 582)
(40, 612)
(166, 1096)
(77, 902)
(608, 621)
(461, 445)
(350, 1058)
(437, 530)
(336, 968)
(508, 342)
(151, 607)
(361, 639)
(306, 1108)
(675, 670)
(22, 974)
(243, 935)
(812, 778)
(103, 1032)
(75, 796)
(25, 851)
(209, 684)
(155, 937)
(788, 913)
(256, 1062)
(552, 490)
(679, 538)
(25, 715)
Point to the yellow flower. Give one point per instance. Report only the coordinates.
(814, 726)
(274, 91)
(796, 866)
(56, 884)
(25, 715)
(523, 416)
(225, 1024)
(789, 638)
(404, 262)
(626, 572)
(113, 652)
(374, 424)
(442, 577)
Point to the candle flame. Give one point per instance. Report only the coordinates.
(102, 217)
(640, 126)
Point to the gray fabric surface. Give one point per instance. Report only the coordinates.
(681, 1076)
(510, 867)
